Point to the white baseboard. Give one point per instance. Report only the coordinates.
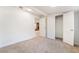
(68, 42)
(16, 41)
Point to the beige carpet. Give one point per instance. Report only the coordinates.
(40, 45)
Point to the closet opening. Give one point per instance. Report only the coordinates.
(59, 27)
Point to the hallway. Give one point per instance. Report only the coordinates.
(40, 45)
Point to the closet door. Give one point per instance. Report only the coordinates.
(68, 28)
(51, 27)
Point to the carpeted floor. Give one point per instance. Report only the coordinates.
(40, 45)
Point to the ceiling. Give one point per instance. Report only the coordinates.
(50, 10)
(46, 10)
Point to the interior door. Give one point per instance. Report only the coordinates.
(51, 27)
(68, 28)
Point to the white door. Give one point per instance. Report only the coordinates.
(51, 27)
(68, 28)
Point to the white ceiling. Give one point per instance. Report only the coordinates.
(45, 10)
(50, 10)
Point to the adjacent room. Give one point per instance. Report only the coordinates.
(39, 29)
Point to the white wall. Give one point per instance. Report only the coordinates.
(76, 28)
(68, 27)
(15, 25)
(51, 26)
(59, 26)
(42, 26)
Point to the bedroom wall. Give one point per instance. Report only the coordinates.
(15, 25)
(42, 26)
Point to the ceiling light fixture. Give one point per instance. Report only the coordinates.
(52, 6)
(28, 9)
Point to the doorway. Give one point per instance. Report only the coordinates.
(59, 27)
(37, 26)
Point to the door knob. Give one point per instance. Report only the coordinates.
(71, 30)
